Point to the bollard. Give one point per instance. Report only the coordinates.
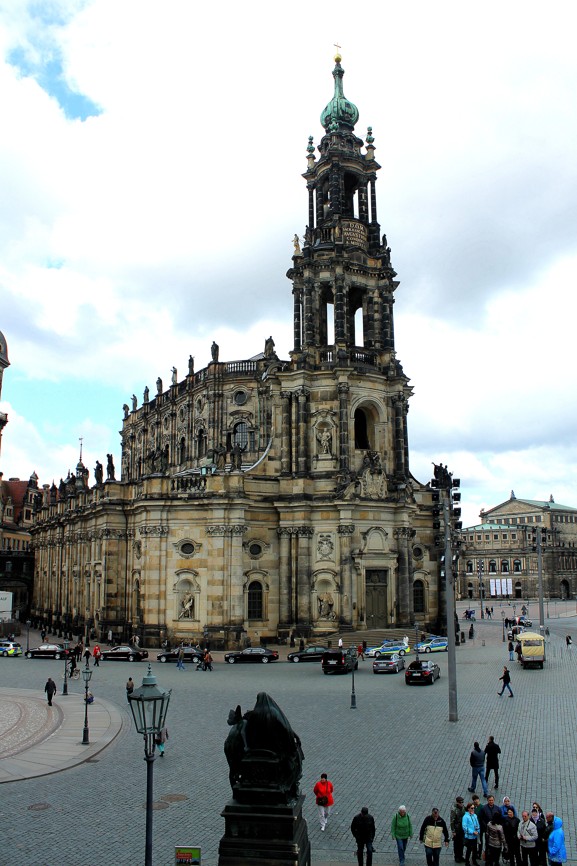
(483, 642)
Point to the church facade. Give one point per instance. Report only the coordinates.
(266, 496)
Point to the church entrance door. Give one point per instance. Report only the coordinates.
(376, 597)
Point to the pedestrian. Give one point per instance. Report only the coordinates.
(456, 822)
(129, 687)
(537, 817)
(160, 740)
(510, 829)
(492, 752)
(78, 650)
(511, 647)
(87, 657)
(71, 664)
(323, 791)
(519, 651)
(207, 661)
(569, 641)
(433, 832)
(96, 655)
(488, 811)
(43, 635)
(494, 841)
(363, 829)
(555, 843)
(477, 762)
(50, 689)
(471, 834)
(506, 682)
(507, 804)
(340, 643)
(527, 834)
(301, 644)
(180, 658)
(401, 831)
(478, 809)
(109, 637)
(360, 653)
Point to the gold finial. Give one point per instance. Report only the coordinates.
(338, 57)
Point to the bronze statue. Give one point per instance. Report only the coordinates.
(214, 351)
(264, 754)
(98, 473)
(110, 468)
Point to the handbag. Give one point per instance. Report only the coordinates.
(322, 801)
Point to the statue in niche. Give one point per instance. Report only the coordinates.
(110, 468)
(214, 351)
(264, 754)
(98, 473)
(187, 605)
(325, 440)
(326, 604)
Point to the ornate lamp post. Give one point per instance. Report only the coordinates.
(65, 686)
(503, 620)
(28, 624)
(149, 706)
(86, 675)
(353, 695)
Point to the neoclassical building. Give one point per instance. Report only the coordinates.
(500, 552)
(267, 495)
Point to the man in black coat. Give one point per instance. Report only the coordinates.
(363, 829)
(492, 751)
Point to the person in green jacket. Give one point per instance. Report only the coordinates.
(401, 831)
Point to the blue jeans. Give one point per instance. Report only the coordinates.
(479, 772)
(401, 848)
(506, 686)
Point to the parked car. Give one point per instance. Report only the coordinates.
(251, 654)
(433, 645)
(310, 654)
(190, 655)
(388, 648)
(526, 623)
(389, 664)
(10, 648)
(422, 672)
(340, 661)
(46, 651)
(124, 653)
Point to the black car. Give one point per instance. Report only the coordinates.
(252, 654)
(310, 654)
(340, 661)
(47, 651)
(124, 654)
(190, 655)
(422, 673)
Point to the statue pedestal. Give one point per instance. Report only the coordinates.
(264, 835)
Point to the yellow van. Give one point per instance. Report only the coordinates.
(532, 649)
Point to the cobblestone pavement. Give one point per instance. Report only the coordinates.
(396, 747)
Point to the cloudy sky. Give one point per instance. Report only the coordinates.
(150, 163)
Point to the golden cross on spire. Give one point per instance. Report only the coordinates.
(338, 47)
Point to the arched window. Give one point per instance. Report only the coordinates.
(504, 566)
(470, 590)
(492, 566)
(419, 596)
(517, 566)
(470, 566)
(361, 430)
(201, 443)
(182, 450)
(254, 600)
(240, 434)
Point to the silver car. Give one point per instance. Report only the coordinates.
(389, 664)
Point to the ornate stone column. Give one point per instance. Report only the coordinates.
(345, 532)
(402, 536)
(286, 617)
(398, 407)
(304, 534)
(343, 425)
(302, 432)
(285, 459)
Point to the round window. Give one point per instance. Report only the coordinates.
(240, 398)
(255, 550)
(187, 548)
(418, 552)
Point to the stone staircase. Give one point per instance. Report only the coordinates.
(373, 637)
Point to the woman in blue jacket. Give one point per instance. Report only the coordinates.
(556, 842)
(472, 831)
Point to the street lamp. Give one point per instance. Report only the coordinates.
(353, 695)
(28, 624)
(86, 675)
(503, 619)
(149, 705)
(65, 686)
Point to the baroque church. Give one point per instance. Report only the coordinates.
(268, 496)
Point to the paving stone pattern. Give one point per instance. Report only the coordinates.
(396, 747)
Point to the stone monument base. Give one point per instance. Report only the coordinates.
(264, 835)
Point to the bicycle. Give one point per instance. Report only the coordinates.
(75, 675)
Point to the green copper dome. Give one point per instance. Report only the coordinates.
(339, 114)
